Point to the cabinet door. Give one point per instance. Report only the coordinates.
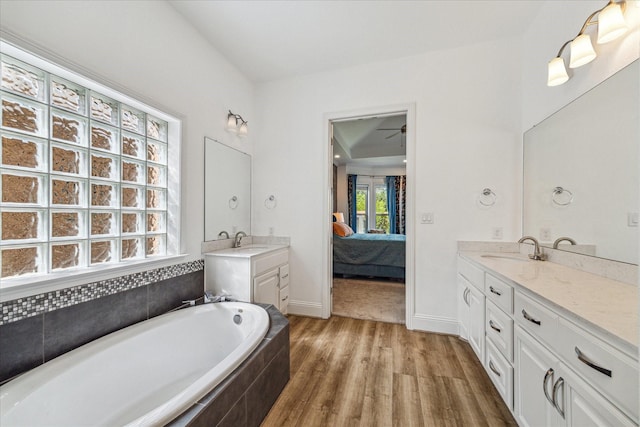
(584, 407)
(476, 321)
(265, 288)
(533, 365)
(463, 308)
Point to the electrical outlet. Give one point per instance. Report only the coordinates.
(632, 219)
(545, 234)
(496, 233)
(426, 218)
(270, 231)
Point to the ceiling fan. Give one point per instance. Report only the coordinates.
(401, 130)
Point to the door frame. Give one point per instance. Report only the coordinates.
(410, 110)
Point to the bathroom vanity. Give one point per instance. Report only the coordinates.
(252, 273)
(559, 344)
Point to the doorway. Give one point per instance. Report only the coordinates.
(371, 182)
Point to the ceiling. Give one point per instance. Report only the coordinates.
(268, 40)
(359, 142)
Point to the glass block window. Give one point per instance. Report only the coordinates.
(84, 174)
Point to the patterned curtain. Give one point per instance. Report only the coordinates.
(351, 199)
(391, 204)
(401, 197)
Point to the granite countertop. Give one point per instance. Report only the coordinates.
(608, 305)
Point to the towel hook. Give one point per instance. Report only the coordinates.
(270, 202)
(487, 197)
(556, 196)
(233, 202)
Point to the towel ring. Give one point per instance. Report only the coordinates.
(559, 191)
(487, 197)
(270, 202)
(233, 202)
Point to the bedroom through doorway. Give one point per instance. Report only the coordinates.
(369, 217)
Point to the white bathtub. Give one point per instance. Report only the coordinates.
(146, 374)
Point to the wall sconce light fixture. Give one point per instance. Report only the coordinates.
(236, 124)
(611, 25)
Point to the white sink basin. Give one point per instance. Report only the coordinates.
(505, 257)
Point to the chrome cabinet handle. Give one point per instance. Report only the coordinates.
(494, 327)
(465, 296)
(548, 375)
(285, 298)
(493, 368)
(529, 318)
(493, 291)
(589, 363)
(556, 387)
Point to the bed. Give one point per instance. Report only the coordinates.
(377, 255)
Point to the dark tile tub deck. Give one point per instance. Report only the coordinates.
(245, 397)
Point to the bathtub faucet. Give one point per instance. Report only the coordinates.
(209, 297)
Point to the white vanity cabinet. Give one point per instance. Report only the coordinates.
(251, 274)
(551, 367)
(471, 305)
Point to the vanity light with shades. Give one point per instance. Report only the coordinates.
(611, 25)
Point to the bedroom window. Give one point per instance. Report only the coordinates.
(381, 211)
(362, 203)
(88, 179)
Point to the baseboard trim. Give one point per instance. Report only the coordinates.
(305, 308)
(441, 325)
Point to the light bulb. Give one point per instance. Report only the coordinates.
(232, 123)
(243, 130)
(611, 23)
(557, 72)
(581, 51)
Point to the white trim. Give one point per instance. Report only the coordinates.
(437, 324)
(410, 110)
(305, 308)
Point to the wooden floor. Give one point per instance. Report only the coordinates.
(350, 372)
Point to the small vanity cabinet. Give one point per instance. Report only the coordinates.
(551, 366)
(252, 274)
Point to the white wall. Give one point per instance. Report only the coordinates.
(557, 22)
(146, 50)
(467, 138)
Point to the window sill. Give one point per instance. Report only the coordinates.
(22, 287)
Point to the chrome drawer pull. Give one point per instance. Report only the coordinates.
(493, 291)
(493, 368)
(465, 296)
(556, 387)
(494, 327)
(529, 318)
(590, 364)
(285, 298)
(548, 375)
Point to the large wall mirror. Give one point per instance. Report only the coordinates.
(227, 190)
(581, 172)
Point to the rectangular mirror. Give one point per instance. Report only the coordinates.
(227, 190)
(581, 172)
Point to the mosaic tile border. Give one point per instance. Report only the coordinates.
(22, 308)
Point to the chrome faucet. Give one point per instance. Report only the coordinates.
(561, 239)
(537, 253)
(223, 232)
(210, 298)
(239, 236)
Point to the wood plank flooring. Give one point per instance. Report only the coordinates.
(351, 372)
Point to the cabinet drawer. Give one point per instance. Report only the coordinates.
(270, 260)
(284, 300)
(499, 329)
(536, 319)
(609, 371)
(499, 292)
(473, 274)
(500, 372)
(284, 276)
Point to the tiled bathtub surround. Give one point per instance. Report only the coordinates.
(22, 308)
(50, 332)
